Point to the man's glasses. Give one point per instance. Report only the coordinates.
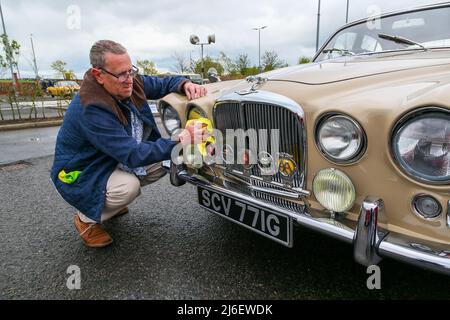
(122, 77)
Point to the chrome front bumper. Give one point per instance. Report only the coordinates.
(370, 241)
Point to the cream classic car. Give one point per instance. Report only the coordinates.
(354, 145)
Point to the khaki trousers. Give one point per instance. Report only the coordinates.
(123, 187)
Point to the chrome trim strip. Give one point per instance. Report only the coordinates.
(165, 164)
(298, 192)
(277, 192)
(427, 255)
(448, 214)
(367, 235)
(265, 97)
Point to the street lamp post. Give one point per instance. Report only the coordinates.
(34, 58)
(346, 14)
(195, 40)
(318, 26)
(259, 45)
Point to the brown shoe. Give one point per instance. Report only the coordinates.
(92, 234)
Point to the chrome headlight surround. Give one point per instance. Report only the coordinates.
(402, 125)
(169, 118)
(360, 135)
(195, 109)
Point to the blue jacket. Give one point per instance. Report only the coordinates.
(96, 135)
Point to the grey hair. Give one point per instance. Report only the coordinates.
(98, 50)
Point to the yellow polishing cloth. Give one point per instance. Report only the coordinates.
(205, 123)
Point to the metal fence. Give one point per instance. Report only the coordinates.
(41, 108)
(16, 109)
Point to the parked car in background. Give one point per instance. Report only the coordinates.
(354, 145)
(63, 88)
(45, 83)
(213, 75)
(194, 77)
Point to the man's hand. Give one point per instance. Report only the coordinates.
(195, 132)
(194, 91)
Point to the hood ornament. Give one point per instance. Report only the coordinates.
(255, 81)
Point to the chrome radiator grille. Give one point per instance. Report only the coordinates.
(260, 115)
(275, 200)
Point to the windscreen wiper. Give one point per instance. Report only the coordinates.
(344, 52)
(399, 39)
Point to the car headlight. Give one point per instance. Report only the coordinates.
(170, 118)
(421, 143)
(340, 138)
(196, 113)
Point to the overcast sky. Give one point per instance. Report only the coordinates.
(155, 30)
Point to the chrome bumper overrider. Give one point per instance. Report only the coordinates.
(370, 241)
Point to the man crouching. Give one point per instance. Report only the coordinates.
(109, 146)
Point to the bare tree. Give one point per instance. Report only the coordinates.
(242, 63)
(228, 64)
(181, 63)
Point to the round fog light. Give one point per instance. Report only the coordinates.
(334, 190)
(426, 206)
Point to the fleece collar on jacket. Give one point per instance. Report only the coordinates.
(93, 93)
